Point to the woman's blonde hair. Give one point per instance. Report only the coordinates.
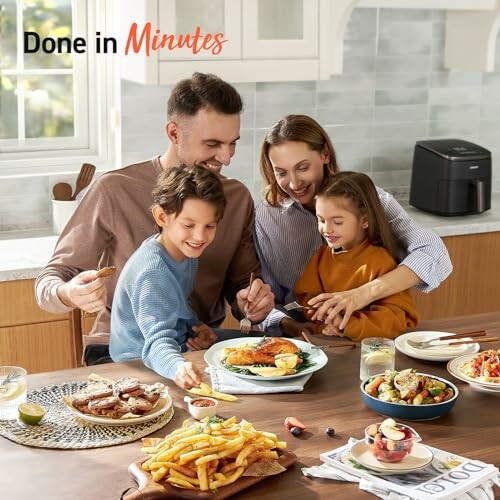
(359, 188)
(299, 128)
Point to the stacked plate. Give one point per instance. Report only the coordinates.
(438, 352)
(419, 458)
(456, 368)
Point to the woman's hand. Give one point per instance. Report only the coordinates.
(336, 308)
(205, 337)
(256, 303)
(293, 328)
(187, 376)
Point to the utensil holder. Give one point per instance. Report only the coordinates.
(61, 213)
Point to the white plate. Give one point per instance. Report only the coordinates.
(215, 355)
(419, 458)
(454, 367)
(161, 406)
(432, 354)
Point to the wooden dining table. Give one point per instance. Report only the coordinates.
(331, 398)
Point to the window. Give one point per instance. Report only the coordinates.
(55, 107)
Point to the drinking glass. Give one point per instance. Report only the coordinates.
(377, 355)
(12, 391)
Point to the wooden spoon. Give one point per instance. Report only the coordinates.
(62, 191)
(84, 178)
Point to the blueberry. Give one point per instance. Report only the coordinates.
(330, 431)
(296, 431)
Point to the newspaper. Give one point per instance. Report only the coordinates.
(445, 478)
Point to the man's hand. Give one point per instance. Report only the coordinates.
(187, 376)
(256, 303)
(205, 337)
(84, 292)
(293, 328)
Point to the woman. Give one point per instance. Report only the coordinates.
(296, 156)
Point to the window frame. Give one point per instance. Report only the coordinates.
(96, 97)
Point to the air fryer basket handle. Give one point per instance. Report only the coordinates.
(479, 188)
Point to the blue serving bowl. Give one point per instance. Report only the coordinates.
(410, 412)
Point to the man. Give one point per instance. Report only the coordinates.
(113, 218)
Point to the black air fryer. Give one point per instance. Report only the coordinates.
(451, 177)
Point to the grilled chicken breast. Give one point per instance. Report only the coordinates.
(263, 354)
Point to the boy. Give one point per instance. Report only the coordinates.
(151, 317)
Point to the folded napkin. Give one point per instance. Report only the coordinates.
(225, 382)
(483, 491)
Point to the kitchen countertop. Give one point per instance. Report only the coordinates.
(24, 254)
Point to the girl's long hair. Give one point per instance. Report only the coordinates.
(299, 128)
(359, 188)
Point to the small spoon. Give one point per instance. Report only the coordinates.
(62, 191)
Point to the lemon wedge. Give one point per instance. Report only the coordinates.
(286, 360)
(31, 413)
(11, 390)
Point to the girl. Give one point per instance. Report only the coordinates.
(296, 156)
(360, 248)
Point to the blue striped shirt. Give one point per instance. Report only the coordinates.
(151, 317)
(287, 236)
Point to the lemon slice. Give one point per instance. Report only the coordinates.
(31, 413)
(377, 357)
(11, 390)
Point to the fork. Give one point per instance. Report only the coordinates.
(245, 323)
(429, 343)
(295, 305)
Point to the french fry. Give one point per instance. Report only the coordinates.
(206, 390)
(177, 481)
(159, 474)
(209, 454)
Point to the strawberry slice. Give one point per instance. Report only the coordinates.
(294, 422)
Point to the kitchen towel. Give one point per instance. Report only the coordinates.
(225, 382)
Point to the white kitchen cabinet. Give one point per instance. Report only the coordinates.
(280, 29)
(211, 16)
(267, 40)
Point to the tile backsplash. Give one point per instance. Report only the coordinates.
(394, 90)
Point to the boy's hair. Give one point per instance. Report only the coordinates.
(176, 184)
(299, 128)
(359, 188)
(203, 90)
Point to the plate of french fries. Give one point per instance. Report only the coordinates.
(268, 358)
(210, 456)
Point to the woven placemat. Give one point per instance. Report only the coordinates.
(61, 429)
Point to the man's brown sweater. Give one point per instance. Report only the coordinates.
(114, 218)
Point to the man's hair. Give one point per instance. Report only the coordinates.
(176, 184)
(203, 91)
(360, 190)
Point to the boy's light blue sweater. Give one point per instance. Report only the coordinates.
(151, 317)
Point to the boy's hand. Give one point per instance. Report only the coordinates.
(187, 376)
(256, 303)
(205, 337)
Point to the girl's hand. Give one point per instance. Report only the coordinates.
(187, 376)
(205, 337)
(341, 305)
(256, 303)
(293, 328)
